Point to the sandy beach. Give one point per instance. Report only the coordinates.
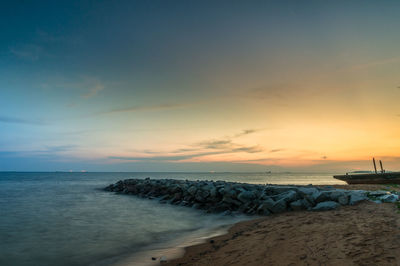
(364, 234)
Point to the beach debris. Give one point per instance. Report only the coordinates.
(233, 197)
(153, 258)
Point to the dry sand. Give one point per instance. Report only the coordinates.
(365, 234)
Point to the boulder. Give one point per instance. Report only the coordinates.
(246, 196)
(357, 196)
(322, 196)
(299, 205)
(378, 193)
(303, 191)
(389, 198)
(288, 196)
(231, 201)
(192, 190)
(279, 206)
(326, 205)
(266, 206)
(343, 200)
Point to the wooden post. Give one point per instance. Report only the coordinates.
(373, 159)
(380, 162)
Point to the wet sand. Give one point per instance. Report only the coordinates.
(365, 234)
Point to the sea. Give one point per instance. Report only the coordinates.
(60, 218)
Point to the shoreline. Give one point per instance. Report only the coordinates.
(363, 234)
(172, 249)
(275, 202)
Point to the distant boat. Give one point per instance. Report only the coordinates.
(365, 177)
(268, 172)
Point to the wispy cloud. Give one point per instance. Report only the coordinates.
(138, 108)
(376, 63)
(276, 150)
(30, 52)
(203, 148)
(93, 90)
(164, 158)
(85, 87)
(16, 120)
(246, 132)
(215, 144)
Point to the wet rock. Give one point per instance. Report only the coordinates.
(303, 191)
(246, 196)
(265, 207)
(279, 206)
(325, 206)
(343, 200)
(298, 205)
(391, 198)
(287, 196)
(357, 196)
(192, 190)
(378, 193)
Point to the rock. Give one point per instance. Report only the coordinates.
(306, 191)
(153, 258)
(246, 196)
(322, 196)
(325, 206)
(231, 201)
(343, 200)
(226, 213)
(192, 190)
(389, 198)
(163, 259)
(279, 206)
(378, 193)
(213, 192)
(288, 196)
(356, 196)
(265, 207)
(297, 205)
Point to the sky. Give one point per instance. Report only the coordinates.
(199, 85)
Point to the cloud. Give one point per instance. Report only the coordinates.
(93, 90)
(164, 158)
(59, 148)
(156, 107)
(30, 52)
(16, 120)
(376, 63)
(276, 150)
(250, 149)
(246, 132)
(216, 144)
(199, 149)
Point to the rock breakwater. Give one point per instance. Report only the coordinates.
(222, 196)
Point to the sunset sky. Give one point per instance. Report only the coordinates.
(199, 85)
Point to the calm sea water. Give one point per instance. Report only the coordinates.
(67, 219)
